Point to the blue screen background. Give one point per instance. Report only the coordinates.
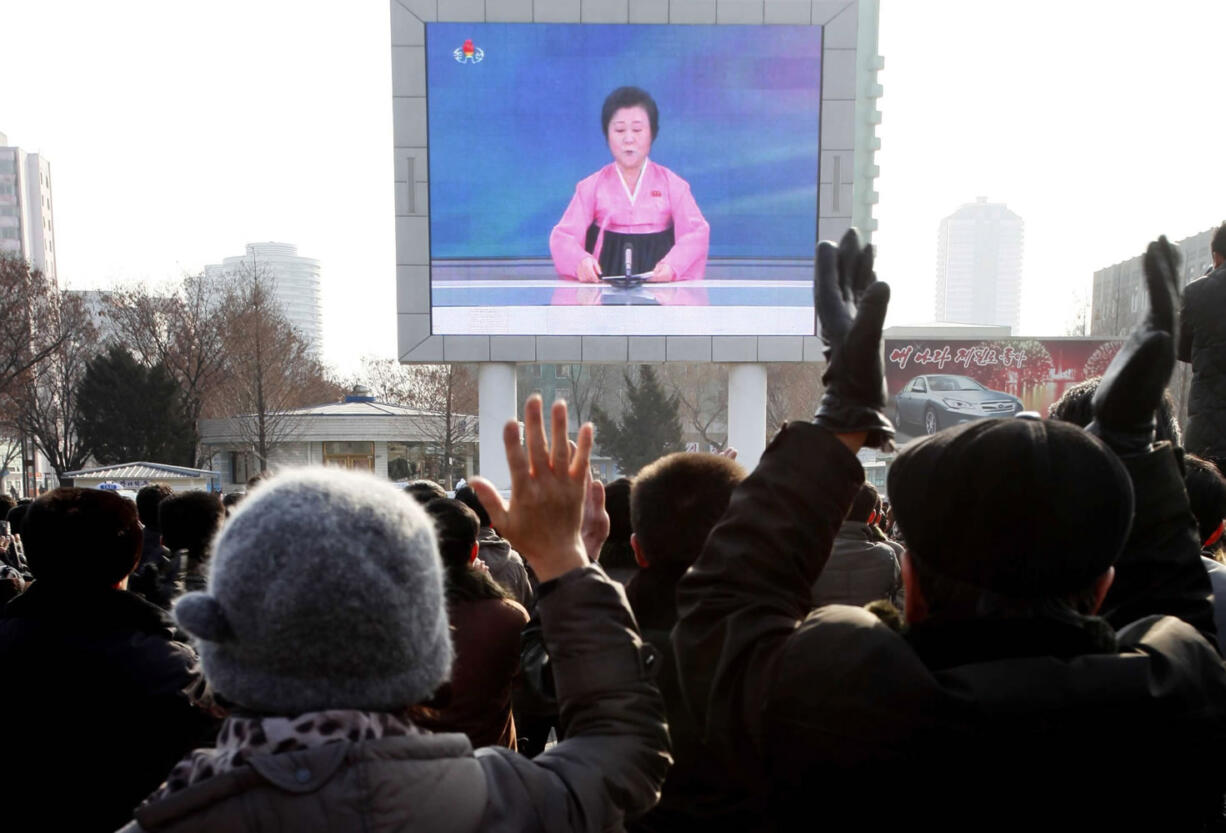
(510, 136)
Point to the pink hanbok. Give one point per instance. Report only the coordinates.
(658, 221)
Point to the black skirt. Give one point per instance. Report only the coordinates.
(646, 250)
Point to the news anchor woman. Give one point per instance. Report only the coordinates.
(631, 203)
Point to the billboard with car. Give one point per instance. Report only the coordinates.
(937, 383)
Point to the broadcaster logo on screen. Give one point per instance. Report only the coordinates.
(469, 54)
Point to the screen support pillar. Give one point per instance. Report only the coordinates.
(496, 403)
(747, 412)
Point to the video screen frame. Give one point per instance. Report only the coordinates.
(847, 108)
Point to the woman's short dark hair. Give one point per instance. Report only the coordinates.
(624, 97)
(456, 527)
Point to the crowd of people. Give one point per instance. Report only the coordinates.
(1024, 634)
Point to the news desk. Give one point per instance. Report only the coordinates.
(519, 283)
(526, 297)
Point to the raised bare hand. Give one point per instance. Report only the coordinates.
(548, 488)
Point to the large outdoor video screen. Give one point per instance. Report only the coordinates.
(622, 179)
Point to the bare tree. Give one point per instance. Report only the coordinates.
(30, 301)
(1078, 322)
(269, 369)
(792, 392)
(702, 399)
(388, 380)
(10, 442)
(590, 384)
(446, 394)
(178, 328)
(46, 398)
(449, 393)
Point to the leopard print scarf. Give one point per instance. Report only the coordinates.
(242, 738)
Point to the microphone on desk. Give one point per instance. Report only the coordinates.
(629, 258)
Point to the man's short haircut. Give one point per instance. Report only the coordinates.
(624, 97)
(468, 497)
(7, 502)
(676, 501)
(424, 491)
(1219, 239)
(147, 501)
(83, 537)
(1206, 493)
(1075, 405)
(865, 501)
(190, 520)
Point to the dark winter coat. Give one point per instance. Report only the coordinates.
(485, 633)
(861, 569)
(612, 762)
(1038, 723)
(698, 794)
(95, 695)
(1202, 341)
(506, 566)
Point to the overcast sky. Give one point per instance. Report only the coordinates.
(180, 132)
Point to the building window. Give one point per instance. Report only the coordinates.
(350, 455)
(242, 466)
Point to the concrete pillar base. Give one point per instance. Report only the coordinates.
(496, 404)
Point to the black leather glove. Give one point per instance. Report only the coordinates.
(1132, 388)
(851, 306)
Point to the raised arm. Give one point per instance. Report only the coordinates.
(750, 588)
(615, 753)
(1160, 571)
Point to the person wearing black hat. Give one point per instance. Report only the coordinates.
(1021, 692)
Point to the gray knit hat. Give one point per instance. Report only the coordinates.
(326, 592)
